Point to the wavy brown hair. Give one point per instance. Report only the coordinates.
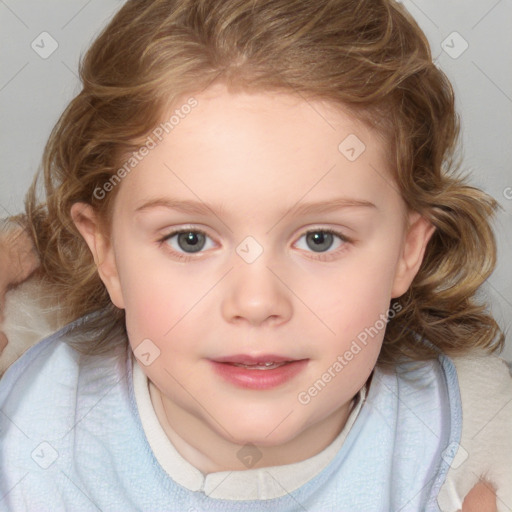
(367, 56)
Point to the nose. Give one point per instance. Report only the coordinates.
(255, 295)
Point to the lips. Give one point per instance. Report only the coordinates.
(258, 359)
(258, 372)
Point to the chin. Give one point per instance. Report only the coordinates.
(265, 434)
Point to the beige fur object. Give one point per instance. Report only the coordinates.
(27, 319)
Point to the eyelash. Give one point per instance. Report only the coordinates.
(328, 256)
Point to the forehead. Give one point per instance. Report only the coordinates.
(264, 146)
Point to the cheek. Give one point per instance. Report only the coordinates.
(156, 309)
(147, 293)
(356, 298)
(161, 302)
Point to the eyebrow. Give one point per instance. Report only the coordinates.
(200, 208)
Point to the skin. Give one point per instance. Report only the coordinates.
(18, 260)
(482, 498)
(257, 155)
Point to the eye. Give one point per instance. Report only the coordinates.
(321, 240)
(189, 241)
(184, 242)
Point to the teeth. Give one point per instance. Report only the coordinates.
(260, 366)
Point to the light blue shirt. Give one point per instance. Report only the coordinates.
(72, 439)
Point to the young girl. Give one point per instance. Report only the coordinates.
(268, 263)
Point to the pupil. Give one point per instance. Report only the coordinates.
(321, 240)
(193, 239)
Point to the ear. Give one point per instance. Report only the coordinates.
(415, 242)
(87, 222)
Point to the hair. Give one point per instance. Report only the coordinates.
(367, 56)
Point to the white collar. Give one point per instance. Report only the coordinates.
(250, 484)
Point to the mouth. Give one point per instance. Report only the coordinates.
(257, 362)
(261, 371)
(260, 366)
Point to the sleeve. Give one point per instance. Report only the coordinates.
(485, 450)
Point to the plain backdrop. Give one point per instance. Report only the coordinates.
(471, 41)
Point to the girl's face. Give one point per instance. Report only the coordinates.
(294, 241)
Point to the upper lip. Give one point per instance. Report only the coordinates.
(247, 359)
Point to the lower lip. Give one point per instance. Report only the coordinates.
(259, 379)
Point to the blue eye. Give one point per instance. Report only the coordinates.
(185, 242)
(194, 241)
(189, 241)
(321, 240)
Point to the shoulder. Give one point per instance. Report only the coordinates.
(53, 402)
(35, 361)
(485, 448)
(51, 384)
(36, 383)
(36, 402)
